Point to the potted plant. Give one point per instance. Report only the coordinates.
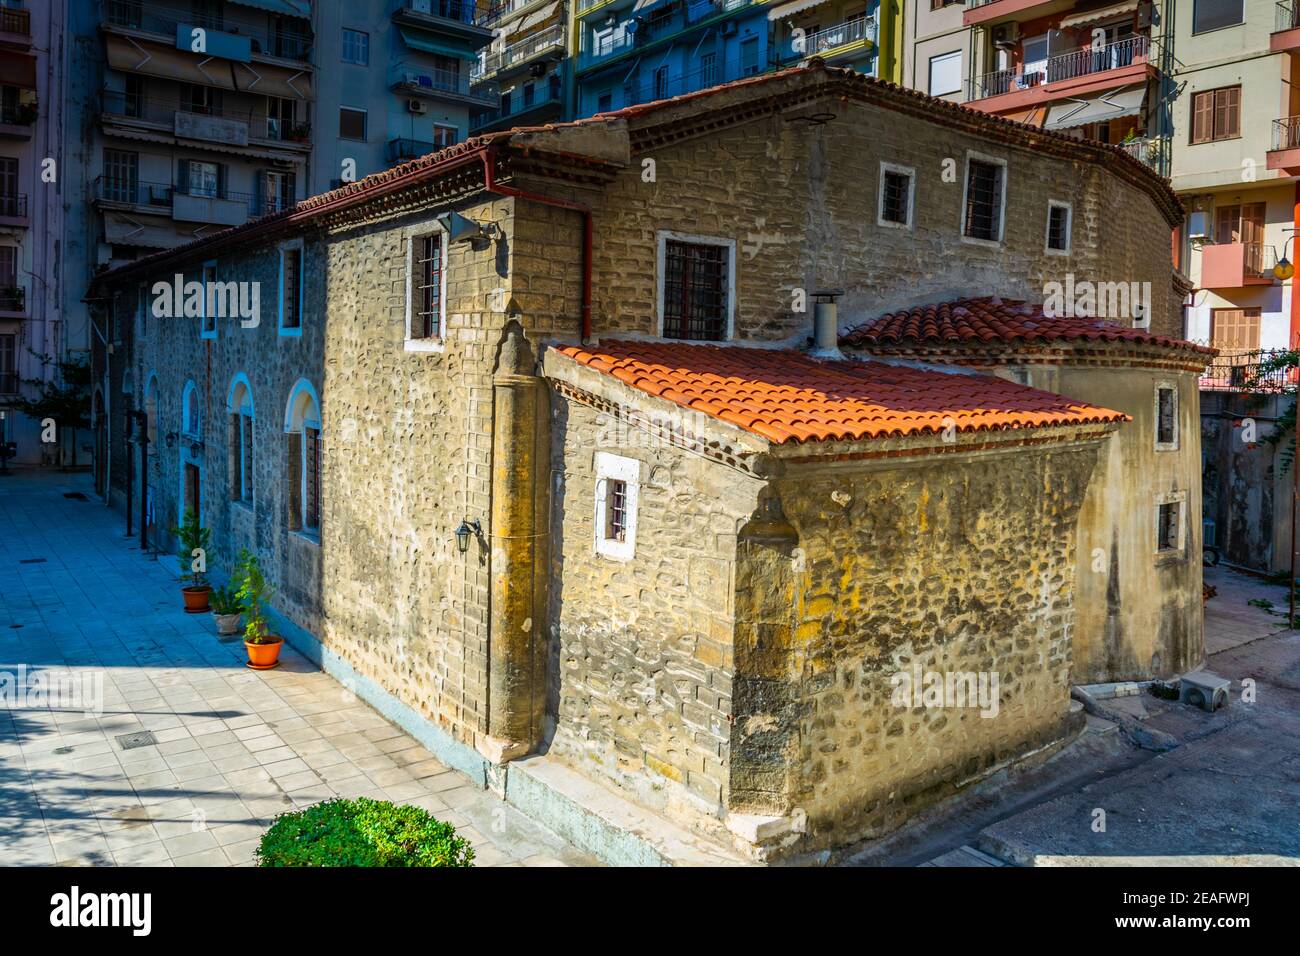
(226, 609)
(299, 132)
(194, 538)
(253, 593)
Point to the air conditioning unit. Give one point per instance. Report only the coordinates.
(416, 106)
(1006, 34)
(1204, 690)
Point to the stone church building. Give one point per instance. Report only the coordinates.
(701, 535)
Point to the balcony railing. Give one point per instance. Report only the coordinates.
(401, 149)
(13, 298)
(1067, 66)
(163, 196)
(132, 15)
(1146, 150)
(163, 110)
(842, 34)
(14, 205)
(19, 114)
(1257, 370)
(488, 16)
(432, 79)
(520, 52)
(1286, 133)
(15, 21)
(1287, 16)
(133, 192)
(462, 11)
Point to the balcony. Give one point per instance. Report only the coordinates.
(224, 125)
(13, 304)
(526, 105)
(132, 192)
(15, 28)
(214, 207)
(1235, 265)
(1286, 27)
(548, 41)
(1284, 155)
(227, 38)
(13, 210)
(989, 12)
(17, 119)
(400, 150)
(494, 13)
(645, 32)
(1257, 370)
(1069, 74)
(423, 82)
(457, 18)
(839, 40)
(1148, 150)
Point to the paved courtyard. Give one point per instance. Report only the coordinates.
(234, 747)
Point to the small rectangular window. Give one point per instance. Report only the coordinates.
(1167, 527)
(1058, 227)
(615, 510)
(895, 197)
(695, 285)
(945, 73)
(356, 47)
(291, 289)
(426, 286)
(983, 201)
(210, 298)
(1216, 14)
(443, 136)
(352, 124)
(1166, 416)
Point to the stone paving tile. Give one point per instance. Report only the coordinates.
(234, 747)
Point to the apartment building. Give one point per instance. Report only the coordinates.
(31, 214)
(525, 71)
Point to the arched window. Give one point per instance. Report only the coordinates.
(151, 409)
(191, 413)
(302, 425)
(239, 406)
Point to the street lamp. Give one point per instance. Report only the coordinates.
(466, 529)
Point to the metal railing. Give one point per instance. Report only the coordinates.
(19, 114)
(1255, 370)
(402, 149)
(1066, 66)
(132, 191)
(489, 15)
(132, 15)
(585, 5)
(14, 204)
(1146, 150)
(13, 298)
(15, 21)
(1287, 16)
(163, 110)
(551, 98)
(1286, 133)
(430, 78)
(698, 10)
(462, 11)
(851, 31)
(519, 52)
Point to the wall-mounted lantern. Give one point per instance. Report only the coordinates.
(463, 533)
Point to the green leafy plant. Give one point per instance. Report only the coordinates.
(193, 537)
(362, 832)
(64, 397)
(225, 600)
(252, 594)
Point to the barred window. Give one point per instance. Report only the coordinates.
(895, 197)
(1167, 527)
(246, 455)
(983, 201)
(695, 290)
(426, 286)
(291, 289)
(1058, 227)
(311, 482)
(1166, 416)
(616, 510)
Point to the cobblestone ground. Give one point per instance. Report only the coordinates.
(234, 746)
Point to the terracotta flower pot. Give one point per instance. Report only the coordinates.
(227, 624)
(263, 657)
(196, 598)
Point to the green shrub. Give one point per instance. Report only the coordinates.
(362, 832)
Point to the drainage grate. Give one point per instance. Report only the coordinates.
(75, 495)
(33, 561)
(141, 738)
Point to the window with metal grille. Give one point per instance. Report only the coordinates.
(615, 510)
(311, 453)
(695, 291)
(426, 286)
(1166, 416)
(1058, 227)
(984, 201)
(291, 289)
(1167, 527)
(246, 457)
(894, 197)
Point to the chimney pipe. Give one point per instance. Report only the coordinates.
(826, 326)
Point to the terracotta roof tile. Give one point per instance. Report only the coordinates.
(787, 396)
(990, 319)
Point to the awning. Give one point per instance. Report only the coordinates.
(271, 80)
(538, 16)
(18, 69)
(789, 9)
(118, 132)
(442, 45)
(1096, 109)
(132, 55)
(288, 8)
(1095, 16)
(148, 232)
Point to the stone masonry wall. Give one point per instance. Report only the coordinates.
(953, 567)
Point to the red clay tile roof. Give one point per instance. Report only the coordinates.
(787, 396)
(973, 322)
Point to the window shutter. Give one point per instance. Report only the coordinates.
(1227, 112)
(1202, 117)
